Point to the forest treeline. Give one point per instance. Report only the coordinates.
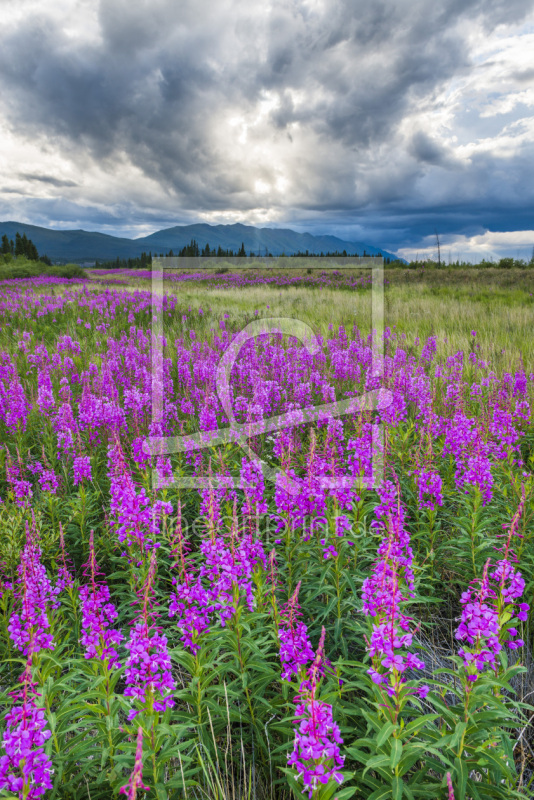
(22, 246)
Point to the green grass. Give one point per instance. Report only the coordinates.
(450, 303)
(21, 267)
(498, 304)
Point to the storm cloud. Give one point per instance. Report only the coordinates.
(376, 122)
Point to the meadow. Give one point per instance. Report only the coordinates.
(329, 632)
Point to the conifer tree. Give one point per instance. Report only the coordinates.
(31, 251)
(19, 245)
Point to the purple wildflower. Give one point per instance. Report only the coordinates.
(28, 627)
(136, 778)
(65, 580)
(295, 648)
(82, 469)
(316, 755)
(98, 614)
(390, 583)
(25, 768)
(148, 666)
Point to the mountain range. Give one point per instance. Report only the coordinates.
(79, 246)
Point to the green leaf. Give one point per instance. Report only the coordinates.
(414, 726)
(495, 762)
(462, 773)
(396, 753)
(381, 794)
(385, 733)
(457, 735)
(376, 762)
(397, 788)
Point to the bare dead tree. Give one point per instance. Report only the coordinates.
(439, 249)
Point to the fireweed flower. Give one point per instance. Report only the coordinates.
(135, 518)
(190, 602)
(22, 490)
(136, 778)
(295, 648)
(481, 624)
(479, 627)
(488, 611)
(98, 615)
(25, 768)
(65, 580)
(450, 787)
(48, 481)
(224, 575)
(28, 627)
(429, 486)
(14, 405)
(254, 484)
(316, 755)
(390, 583)
(81, 466)
(228, 569)
(148, 666)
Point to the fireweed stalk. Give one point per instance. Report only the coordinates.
(213, 592)
(490, 609)
(390, 583)
(98, 638)
(488, 613)
(147, 671)
(25, 768)
(29, 626)
(65, 581)
(295, 647)
(136, 778)
(98, 615)
(316, 756)
(223, 576)
(148, 666)
(135, 518)
(190, 602)
(230, 565)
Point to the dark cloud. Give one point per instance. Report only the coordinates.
(430, 150)
(157, 88)
(524, 75)
(28, 176)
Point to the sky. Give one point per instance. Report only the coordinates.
(383, 122)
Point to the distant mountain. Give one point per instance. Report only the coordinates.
(80, 246)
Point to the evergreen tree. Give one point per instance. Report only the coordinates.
(19, 246)
(241, 253)
(6, 247)
(31, 251)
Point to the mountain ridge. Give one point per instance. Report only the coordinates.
(79, 245)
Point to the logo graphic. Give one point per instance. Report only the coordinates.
(241, 433)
